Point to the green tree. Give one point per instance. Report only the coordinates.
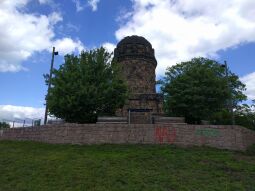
(198, 88)
(86, 86)
(245, 116)
(4, 125)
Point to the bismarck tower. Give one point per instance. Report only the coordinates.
(136, 58)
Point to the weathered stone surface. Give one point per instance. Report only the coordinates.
(132, 47)
(223, 137)
(135, 56)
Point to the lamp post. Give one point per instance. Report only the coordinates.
(49, 84)
(230, 101)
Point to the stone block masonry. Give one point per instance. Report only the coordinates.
(136, 60)
(223, 137)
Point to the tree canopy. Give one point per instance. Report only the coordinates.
(4, 125)
(244, 116)
(198, 88)
(86, 86)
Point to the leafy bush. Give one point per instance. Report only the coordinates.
(4, 125)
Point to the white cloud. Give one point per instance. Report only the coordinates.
(44, 1)
(72, 27)
(109, 47)
(11, 112)
(93, 4)
(17, 114)
(249, 81)
(54, 18)
(78, 5)
(9, 67)
(67, 45)
(10, 5)
(23, 34)
(182, 29)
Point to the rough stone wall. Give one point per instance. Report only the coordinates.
(137, 61)
(139, 75)
(143, 101)
(141, 117)
(223, 137)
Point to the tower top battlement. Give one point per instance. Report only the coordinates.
(134, 47)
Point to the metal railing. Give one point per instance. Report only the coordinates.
(27, 122)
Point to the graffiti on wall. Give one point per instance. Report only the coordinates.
(165, 135)
(207, 132)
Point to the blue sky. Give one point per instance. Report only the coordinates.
(178, 30)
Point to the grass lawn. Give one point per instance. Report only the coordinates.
(41, 167)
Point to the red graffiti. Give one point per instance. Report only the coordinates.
(163, 134)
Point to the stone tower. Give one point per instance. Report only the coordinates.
(137, 61)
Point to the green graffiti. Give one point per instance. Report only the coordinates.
(207, 132)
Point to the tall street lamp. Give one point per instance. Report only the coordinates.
(230, 101)
(54, 53)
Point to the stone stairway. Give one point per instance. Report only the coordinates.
(122, 120)
(141, 118)
(168, 120)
